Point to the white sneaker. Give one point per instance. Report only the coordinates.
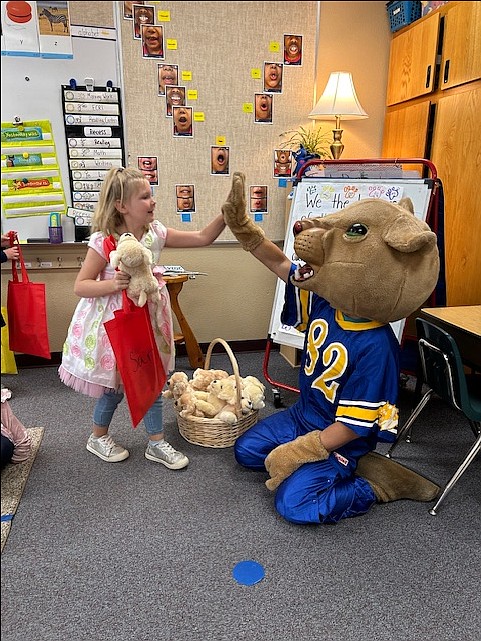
(105, 448)
(163, 452)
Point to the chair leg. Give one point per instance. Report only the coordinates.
(476, 427)
(461, 469)
(407, 425)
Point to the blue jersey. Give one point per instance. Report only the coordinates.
(349, 370)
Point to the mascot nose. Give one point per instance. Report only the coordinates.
(297, 227)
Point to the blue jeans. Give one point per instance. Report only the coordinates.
(107, 404)
(318, 492)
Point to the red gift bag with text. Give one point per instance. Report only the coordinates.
(138, 361)
(27, 312)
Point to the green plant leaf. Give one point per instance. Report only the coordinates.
(314, 141)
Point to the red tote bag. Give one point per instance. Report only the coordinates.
(138, 361)
(27, 314)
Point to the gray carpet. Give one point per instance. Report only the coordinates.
(133, 551)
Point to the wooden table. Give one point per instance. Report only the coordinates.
(194, 353)
(464, 325)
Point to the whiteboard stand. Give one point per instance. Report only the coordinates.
(309, 200)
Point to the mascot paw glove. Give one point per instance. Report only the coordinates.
(286, 458)
(236, 218)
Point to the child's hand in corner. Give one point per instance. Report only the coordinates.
(5, 240)
(11, 253)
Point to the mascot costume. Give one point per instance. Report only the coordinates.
(365, 267)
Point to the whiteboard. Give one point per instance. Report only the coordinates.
(34, 93)
(318, 197)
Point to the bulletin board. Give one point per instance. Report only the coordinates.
(318, 197)
(35, 94)
(219, 49)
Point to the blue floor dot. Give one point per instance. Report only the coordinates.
(248, 572)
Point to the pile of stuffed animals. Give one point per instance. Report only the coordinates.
(212, 394)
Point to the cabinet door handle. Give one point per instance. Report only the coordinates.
(428, 76)
(446, 71)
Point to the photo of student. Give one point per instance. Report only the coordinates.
(182, 121)
(282, 163)
(148, 166)
(168, 75)
(258, 198)
(174, 97)
(263, 108)
(219, 160)
(128, 9)
(142, 15)
(152, 41)
(185, 198)
(273, 77)
(292, 50)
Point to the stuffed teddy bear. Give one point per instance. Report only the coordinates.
(208, 403)
(134, 259)
(254, 391)
(363, 267)
(226, 390)
(205, 404)
(177, 384)
(187, 405)
(202, 378)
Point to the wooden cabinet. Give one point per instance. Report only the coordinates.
(412, 61)
(439, 120)
(456, 154)
(411, 118)
(461, 50)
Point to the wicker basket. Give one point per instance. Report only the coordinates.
(212, 432)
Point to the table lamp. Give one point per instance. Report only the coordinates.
(339, 100)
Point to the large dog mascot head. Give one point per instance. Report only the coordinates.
(373, 260)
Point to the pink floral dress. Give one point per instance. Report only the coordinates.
(88, 362)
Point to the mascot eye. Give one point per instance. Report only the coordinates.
(356, 230)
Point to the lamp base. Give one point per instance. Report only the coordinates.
(336, 145)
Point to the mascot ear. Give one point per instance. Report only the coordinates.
(407, 233)
(407, 203)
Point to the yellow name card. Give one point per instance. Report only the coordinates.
(171, 43)
(220, 141)
(255, 73)
(163, 16)
(192, 94)
(199, 116)
(186, 75)
(248, 108)
(274, 46)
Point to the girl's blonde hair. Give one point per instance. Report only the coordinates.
(119, 185)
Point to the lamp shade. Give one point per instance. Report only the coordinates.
(339, 100)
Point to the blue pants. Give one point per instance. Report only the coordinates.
(7, 450)
(107, 404)
(319, 492)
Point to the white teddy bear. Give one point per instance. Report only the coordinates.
(202, 378)
(177, 384)
(254, 391)
(134, 259)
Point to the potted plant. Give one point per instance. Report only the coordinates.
(306, 144)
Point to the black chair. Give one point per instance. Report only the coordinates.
(443, 374)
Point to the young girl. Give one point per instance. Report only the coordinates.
(88, 366)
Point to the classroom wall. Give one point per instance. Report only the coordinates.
(234, 301)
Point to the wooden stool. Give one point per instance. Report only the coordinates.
(194, 353)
